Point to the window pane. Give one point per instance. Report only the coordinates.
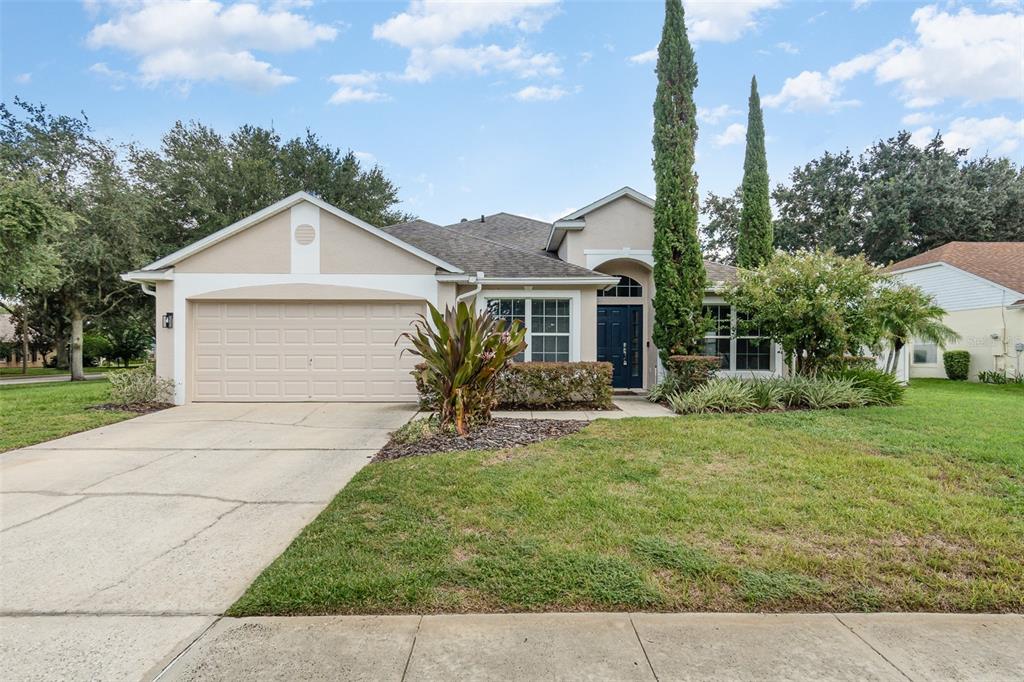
(753, 354)
(509, 309)
(719, 347)
(925, 353)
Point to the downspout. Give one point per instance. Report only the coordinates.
(479, 281)
(147, 290)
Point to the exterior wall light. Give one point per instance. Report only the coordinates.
(168, 321)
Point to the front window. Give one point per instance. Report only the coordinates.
(925, 353)
(547, 325)
(738, 344)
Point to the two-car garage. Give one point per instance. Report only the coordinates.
(301, 350)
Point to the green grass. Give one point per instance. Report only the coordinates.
(15, 372)
(33, 413)
(917, 507)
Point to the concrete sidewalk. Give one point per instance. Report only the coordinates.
(608, 646)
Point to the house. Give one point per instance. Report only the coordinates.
(981, 287)
(302, 301)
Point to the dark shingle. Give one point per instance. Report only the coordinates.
(474, 254)
(505, 228)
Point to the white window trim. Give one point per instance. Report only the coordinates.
(913, 347)
(773, 354)
(574, 312)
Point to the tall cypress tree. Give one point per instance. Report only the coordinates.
(679, 276)
(754, 246)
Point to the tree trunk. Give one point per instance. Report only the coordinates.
(77, 323)
(24, 345)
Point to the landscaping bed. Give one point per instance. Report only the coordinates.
(497, 434)
(137, 408)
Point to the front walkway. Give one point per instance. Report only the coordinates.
(610, 646)
(121, 544)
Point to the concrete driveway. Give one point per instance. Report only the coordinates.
(118, 546)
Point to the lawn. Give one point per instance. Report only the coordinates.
(33, 413)
(917, 507)
(15, 372)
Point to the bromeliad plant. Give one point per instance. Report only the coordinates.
(463, 352)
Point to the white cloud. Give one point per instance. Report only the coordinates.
(808, 90)
(861, 4)
(713, 115)
(645, 57)
(788, 48)
(998, 136)
(922, 136)
(113, 76)
(440, 22)
(23, 78)
(356, 87)
(733, 134)
(585, 57)
(366, 157)
(918, 118)
(202, 40)
(431, 29)
(534, 93)
(425, 63)
(724, 22)
(717, 22)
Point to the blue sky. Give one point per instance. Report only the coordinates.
(535, 107)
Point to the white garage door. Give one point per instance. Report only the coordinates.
(282, 351)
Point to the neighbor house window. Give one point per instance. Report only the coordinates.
(547, 326)
(925, 353)
(626, 288)
(737, 343)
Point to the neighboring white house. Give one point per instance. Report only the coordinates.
(302, 301)
(981, 287)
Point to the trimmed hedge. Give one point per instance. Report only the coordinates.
(537, 385)
(957, 363)
(838, 364)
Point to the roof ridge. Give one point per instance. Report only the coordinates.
(539, 254)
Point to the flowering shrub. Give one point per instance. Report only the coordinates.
(139, 386)
(463, 354)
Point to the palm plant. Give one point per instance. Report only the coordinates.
(463, 353)
(906, 312)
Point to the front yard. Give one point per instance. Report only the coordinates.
(918, 507)
(33, 413)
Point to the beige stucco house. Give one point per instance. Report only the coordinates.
(302, 301)
(981, 287)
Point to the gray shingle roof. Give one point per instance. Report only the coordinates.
(473, 254)
(506, 245)
(506, 228)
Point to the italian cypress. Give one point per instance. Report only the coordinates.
(754, 247)
(679, 276)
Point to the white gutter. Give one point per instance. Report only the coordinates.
(479, 279)
(146, 290)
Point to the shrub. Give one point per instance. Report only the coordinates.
(139, 386)
(690, 371)
(94, 347)
(839, 363)
(463, 353)
(721, 395)
(880, 388)
(957, 363)
(555, 384)
(767, 393)
(542, 385)
(737, 395)
(416, 430)
(990, 377)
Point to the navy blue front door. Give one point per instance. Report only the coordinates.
(620, 340)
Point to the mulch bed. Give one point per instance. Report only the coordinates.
(138, 408)
(498, 434)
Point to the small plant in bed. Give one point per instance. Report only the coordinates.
(426, 436)
(138, 390)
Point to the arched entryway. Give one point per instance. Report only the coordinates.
(624, 324)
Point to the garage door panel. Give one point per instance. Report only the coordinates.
(290, 351)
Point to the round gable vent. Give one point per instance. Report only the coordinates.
(305, 234)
